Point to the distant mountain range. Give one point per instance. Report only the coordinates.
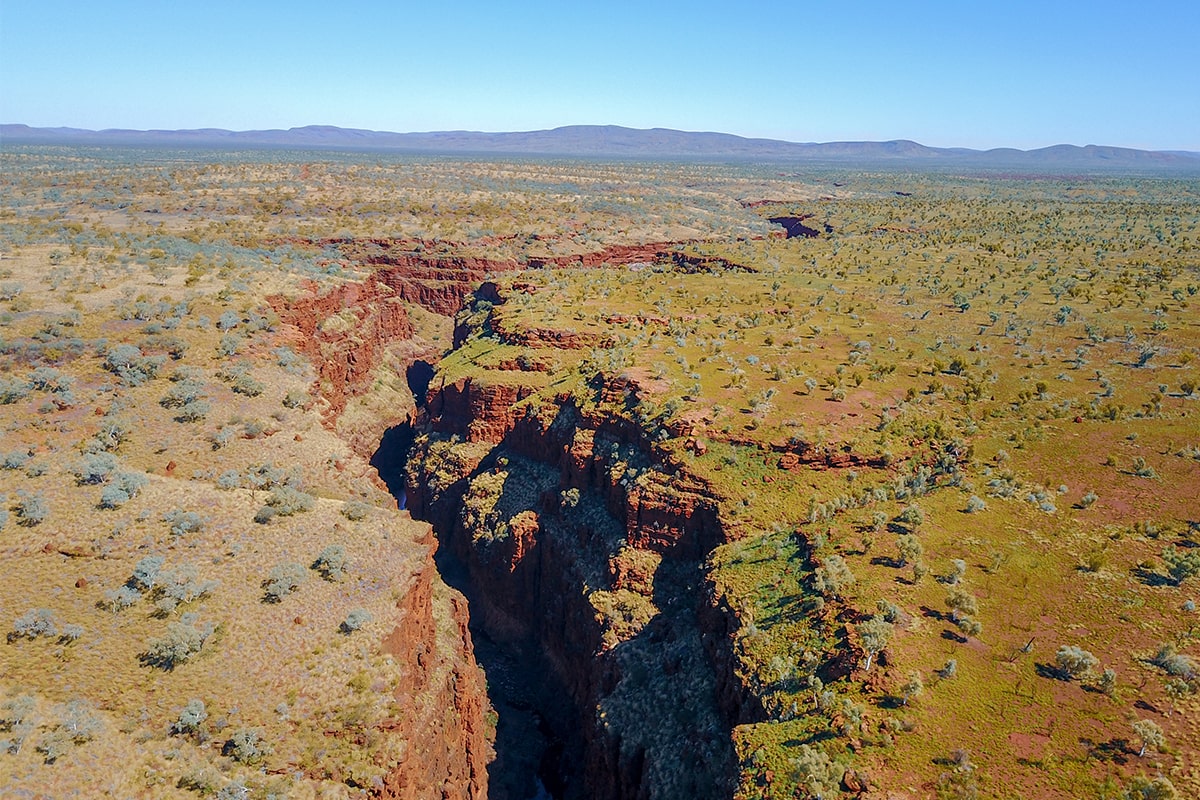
(611, 141)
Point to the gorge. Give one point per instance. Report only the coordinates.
(579, 545)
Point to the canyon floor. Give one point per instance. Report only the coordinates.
(714, 480)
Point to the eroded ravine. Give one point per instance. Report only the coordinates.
(578, 548)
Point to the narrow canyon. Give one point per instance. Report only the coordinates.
(578, 544)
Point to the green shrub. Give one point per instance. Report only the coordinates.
(181, 585)
(1141, 469)
(94, 468)
(229, 345)
(833, 576)
(18, 718)
(34, 623)
(182, 393)
(813, 769)
(202, 780)
(127, 362)
(1181, 565)
(288, 500)
(120, 598)
(331, 563)
(296, 399)
(112, 434)
(1075, 662)
(245, 384)
(12, 390)
(354, 621)
(183, 640)
(193, 411)
(1174, 663)
(77, 724)
(15, 459)
(191, 718)
(31, 509)
(283, 580)
(181, 522)
(246, 745)
(1156, 788)
(355, 510)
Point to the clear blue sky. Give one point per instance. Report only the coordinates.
(1019, 73)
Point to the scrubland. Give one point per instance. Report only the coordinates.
(953, 439)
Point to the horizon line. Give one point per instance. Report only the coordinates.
(65, 129)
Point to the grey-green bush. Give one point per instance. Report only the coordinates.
(283, 580)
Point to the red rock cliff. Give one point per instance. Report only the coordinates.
(441, 700)
(573, 541)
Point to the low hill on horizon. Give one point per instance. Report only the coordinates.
(608, 140)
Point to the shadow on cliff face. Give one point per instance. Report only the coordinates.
(419, 374)
(391, 458)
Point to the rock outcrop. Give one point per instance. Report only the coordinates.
(345, 330)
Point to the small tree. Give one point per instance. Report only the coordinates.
(813, 769)
(128, 363)
(912, 687)
(833, 576)
(34, 623)
(145, 573)
(961, 602)
(969, 626)
(1075, 662)
(78, 723)
(910, 549)
(1151, 735)
(889, 610)
(18, 717)
(912, 516)
(247, 746)
(958, 568)
(875, 634)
